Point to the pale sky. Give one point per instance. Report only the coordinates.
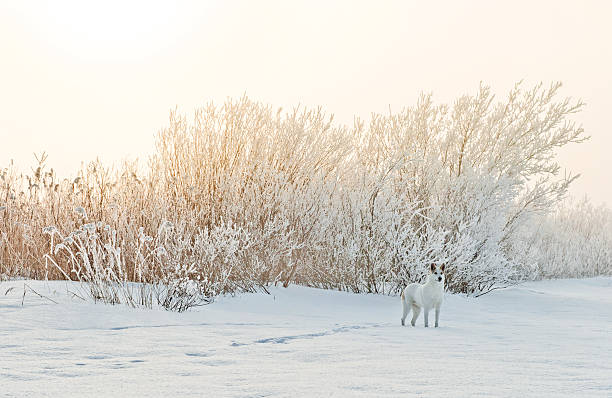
(82, 80)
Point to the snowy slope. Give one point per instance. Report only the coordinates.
(541, 339)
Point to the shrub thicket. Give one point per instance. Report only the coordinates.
(243, 196)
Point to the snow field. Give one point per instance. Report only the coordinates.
(539, 339)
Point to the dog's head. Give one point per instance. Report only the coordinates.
(437, 273)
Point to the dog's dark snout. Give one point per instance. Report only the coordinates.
(439, 279)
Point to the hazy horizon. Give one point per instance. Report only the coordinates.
(84, 81)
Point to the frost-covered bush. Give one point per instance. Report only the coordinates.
(480, 170)
(268, 173)
(573, 241)
(94, 256)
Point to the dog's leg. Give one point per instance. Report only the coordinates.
(426, 316)
(437, 314)
(405, 309)
(416, 310)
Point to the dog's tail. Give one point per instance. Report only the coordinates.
(402, 295)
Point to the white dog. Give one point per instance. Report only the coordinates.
(427, 296)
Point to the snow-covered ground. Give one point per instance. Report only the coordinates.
(550, 338)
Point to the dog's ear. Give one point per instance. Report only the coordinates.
(432, 267)
(442, 267)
